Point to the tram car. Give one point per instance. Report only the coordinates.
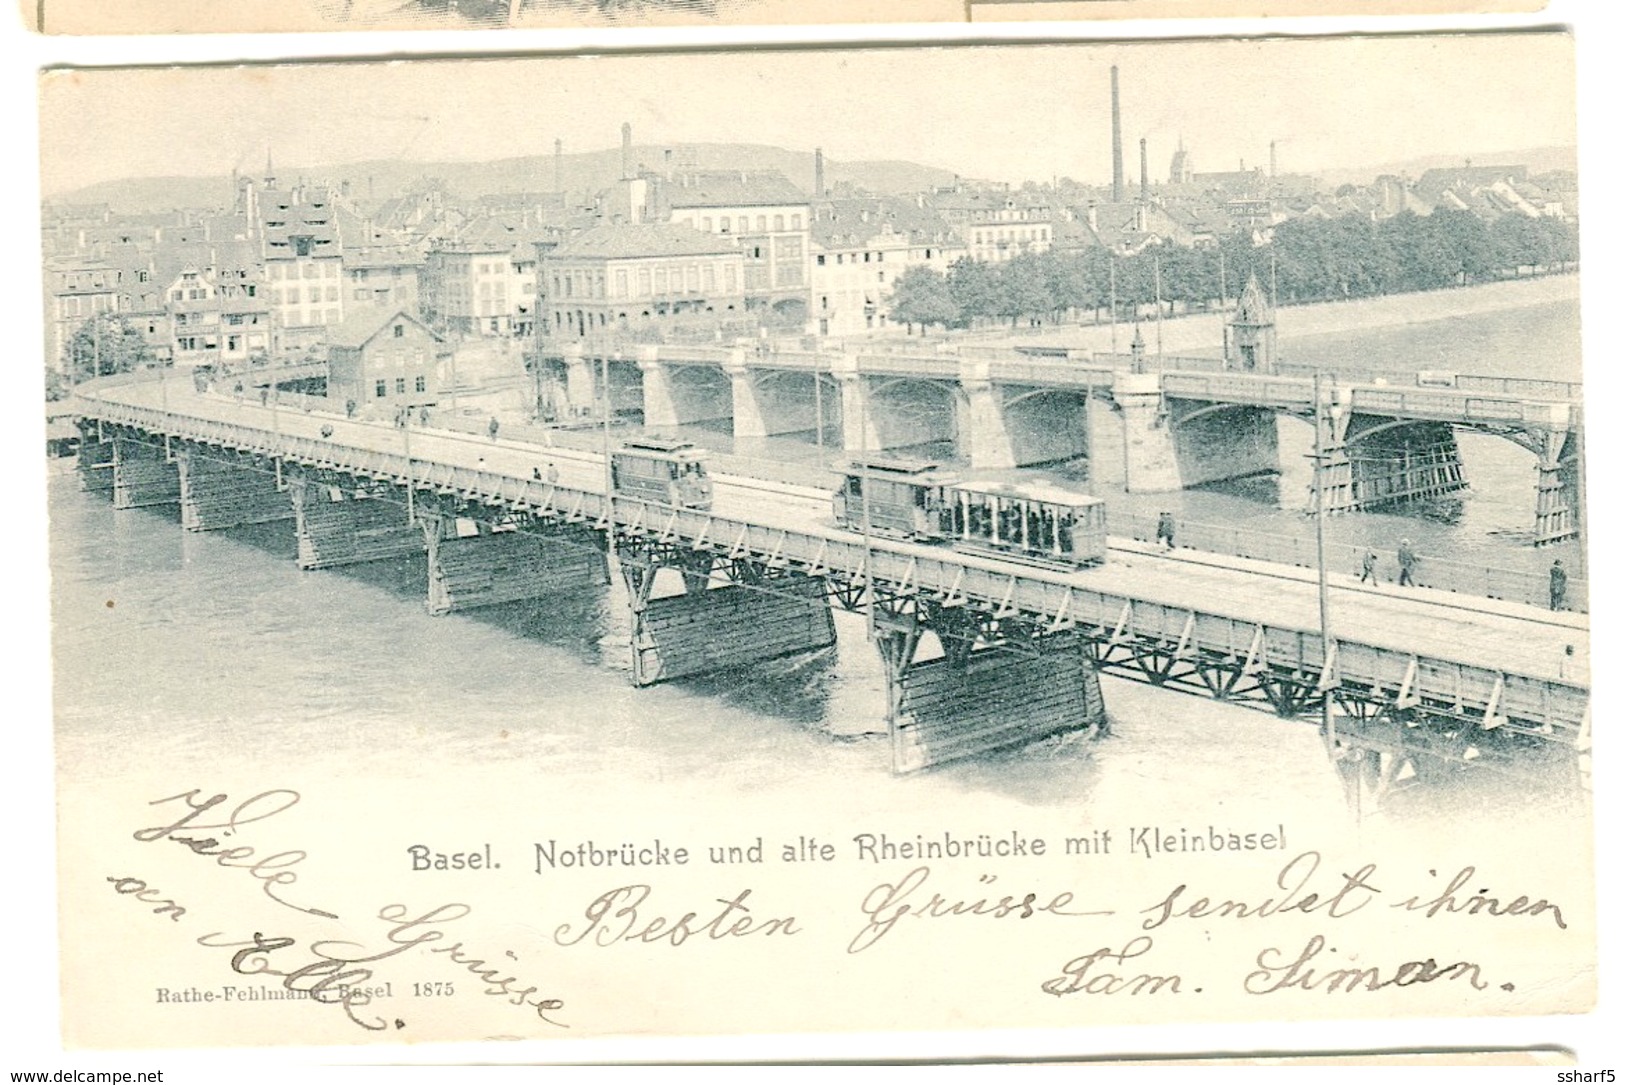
(903, 502)
(912, 499)
(662, 471)
(1032, 520)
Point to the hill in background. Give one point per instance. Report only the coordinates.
(579, 174)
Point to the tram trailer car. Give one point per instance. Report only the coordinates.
(1034, 520)
(917, 500)
(663, 471)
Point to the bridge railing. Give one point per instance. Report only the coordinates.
(1458, 406)
(1344, 560)
(1240, 388)
(1554, 706)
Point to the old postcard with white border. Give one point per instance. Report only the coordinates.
(283, 16)
(1086, 542)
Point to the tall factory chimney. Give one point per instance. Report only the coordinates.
(818, 173)
(1117, 143)
(626, 151)
(1145, 174)
(558, 165)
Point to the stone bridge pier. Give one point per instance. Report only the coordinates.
(1171, 444)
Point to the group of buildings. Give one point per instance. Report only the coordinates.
(304, 270)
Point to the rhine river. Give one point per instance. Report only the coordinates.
(180, 649)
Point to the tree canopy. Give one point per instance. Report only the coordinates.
(1306, 260)
(104, 345)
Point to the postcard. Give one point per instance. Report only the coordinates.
(284, 16)
(697, 545)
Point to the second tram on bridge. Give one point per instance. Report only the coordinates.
(911, 499)
(666, 472)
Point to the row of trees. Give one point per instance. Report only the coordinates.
(1308, 260)
(106, 344)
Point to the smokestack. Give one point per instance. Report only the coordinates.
(558, 165)
(626, 151)
(1117, 143)
(1272, 160)
(1145, 174)
(818, 173)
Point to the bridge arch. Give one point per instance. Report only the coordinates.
(794, 403)
(908, 413)
(1047, 425)
(701, 395)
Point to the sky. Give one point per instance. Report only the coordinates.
(1005, 112)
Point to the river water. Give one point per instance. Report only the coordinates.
(196, 643)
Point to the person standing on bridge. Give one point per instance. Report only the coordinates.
(1165, 528)
(493, 427)
(1368, 567)
(1559, 585)
(1407, 564)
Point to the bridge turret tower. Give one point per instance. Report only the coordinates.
(1252, 331)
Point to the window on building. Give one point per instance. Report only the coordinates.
(795, 222)
(820, 259)
(400, 386)
(705, 224)
(421, 384)
(400, 331)
(726, 220)
(778, 223)
(380, 389)
(234, 342)
(362, 294)
(620, 282)
(761, 224)
(866, 257)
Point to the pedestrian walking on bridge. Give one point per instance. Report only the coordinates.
(1559, 585)
(1407, 564)
(1165, 528)
(1368, 567)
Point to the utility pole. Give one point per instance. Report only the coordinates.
(1156, 272)
(1328, 723)
(609, 474)
(1111, 267)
